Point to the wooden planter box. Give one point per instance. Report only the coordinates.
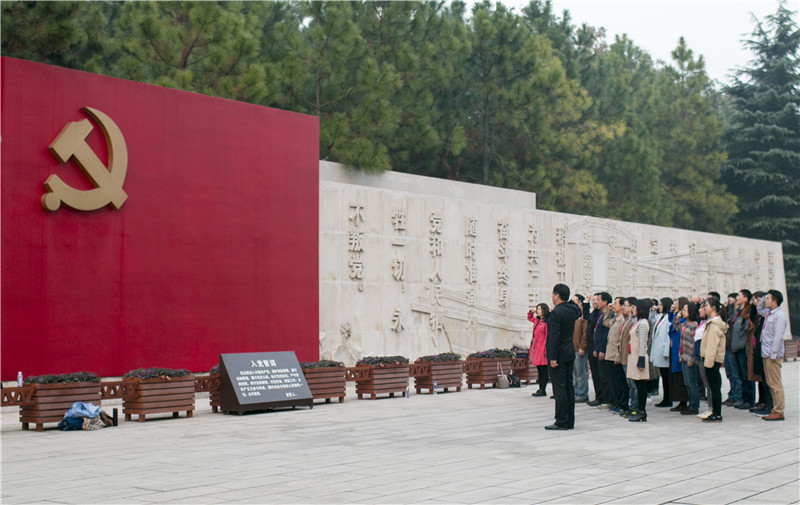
(213, 392)
(790, 350)
(485, 371)
(159, 395)
(446, 375)
(389, 379)
(51, 401)
(527, 373)
(327, 383)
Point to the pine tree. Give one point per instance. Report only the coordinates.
(332, 73)
(66, 34)
(763, 144)
(690, 137)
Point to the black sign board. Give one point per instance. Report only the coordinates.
(261, 381)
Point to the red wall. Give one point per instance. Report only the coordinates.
(214, 251)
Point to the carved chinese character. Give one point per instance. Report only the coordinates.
(398, 269)
(397, 321)
(436, 223)
(399, 219)
(502, 273)
(471, 227)
(472, 272)
(435, 246)
(502, 230)
(501, 251)
(356, 267)
(469, 251)
(436, 293)
(503, 297)
(470, 296)
(356, 213)
(355, 241)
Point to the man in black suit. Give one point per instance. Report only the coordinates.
(561, 356)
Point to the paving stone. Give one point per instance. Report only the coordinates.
(427, 449)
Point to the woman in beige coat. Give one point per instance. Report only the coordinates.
(638, 366)
(712, 350)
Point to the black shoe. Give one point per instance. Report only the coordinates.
(541, 392)
(554, 426)
(757, 406)
(744, 406)
(553, 397)
(628, 413)
(678, 408)
(594, 403)
(663, 404)
(688, 412)
(638, 417)
(581, 399)
(729, 402)
(713, 419)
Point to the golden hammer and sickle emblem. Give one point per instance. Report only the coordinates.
(71, 143)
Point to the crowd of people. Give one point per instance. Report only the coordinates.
(633, 349)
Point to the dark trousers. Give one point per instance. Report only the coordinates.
(666, 378)
(564, 393)
(764, 394)
(605, 370)
(748, 388)
(621, 390)
(641, 396)
(715, 385)
(541, 373)
(598, 394)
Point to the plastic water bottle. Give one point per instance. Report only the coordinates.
(434, 388)
(19, 379)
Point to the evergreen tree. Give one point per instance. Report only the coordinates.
(332, 73)
(426, 45)
(763, 144)
(690, 136)
(66, 34)
(205, 47)
(623, 83)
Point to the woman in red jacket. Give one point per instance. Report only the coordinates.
(537, 353)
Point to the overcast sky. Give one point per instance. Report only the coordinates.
(712, 28)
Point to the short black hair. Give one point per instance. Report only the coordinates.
(776, 295)
(562, 290)
(642, 309)
(715, 295)
(579, 297)
(621, 299)
(632, 301)
(606, 297)
(666, 304)
(759, 294)
(747, 294)
(732, 295)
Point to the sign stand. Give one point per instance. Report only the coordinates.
(260, 381)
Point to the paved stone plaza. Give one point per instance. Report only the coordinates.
(477, 446)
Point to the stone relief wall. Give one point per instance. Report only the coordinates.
(411, 265)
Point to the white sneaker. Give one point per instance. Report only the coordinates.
(705, 414)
